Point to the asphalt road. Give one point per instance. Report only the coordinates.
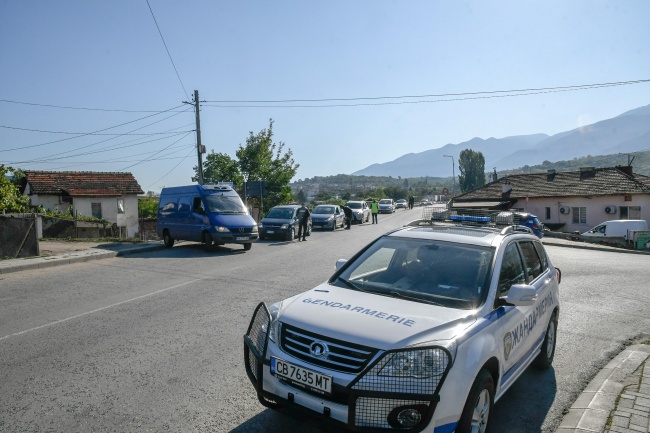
(153, 342)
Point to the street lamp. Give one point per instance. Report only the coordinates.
(453, 171)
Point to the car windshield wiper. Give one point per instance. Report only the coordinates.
(397, 294)
(351, 285)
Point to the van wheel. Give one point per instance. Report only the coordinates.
(545, 357)
(291, 234)
(248, 246)
(207, 241)
(476, 413)
(168, 240)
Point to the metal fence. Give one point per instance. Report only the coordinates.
(18, 236)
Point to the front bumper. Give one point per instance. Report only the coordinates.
(350, 406)
(233, 238)
(323, 224)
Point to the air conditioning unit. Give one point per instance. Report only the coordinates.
(565, 209)
(610, 209)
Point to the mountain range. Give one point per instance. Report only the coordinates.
(627, 132)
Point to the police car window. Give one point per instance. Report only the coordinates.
(531, 260)
(512, 270)
(374, 264)
(542, 255)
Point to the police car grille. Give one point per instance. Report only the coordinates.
(343, 356)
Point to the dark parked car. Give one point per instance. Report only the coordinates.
(327, 216)
(281, 221)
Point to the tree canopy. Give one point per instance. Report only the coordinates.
(471, 165)
(11, 200)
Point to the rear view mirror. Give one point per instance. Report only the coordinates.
(340, 263)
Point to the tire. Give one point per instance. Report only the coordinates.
(207, 241)
(291, 234)
(361, 220)
(168, 239)
(478, 408)
(333, 225)
(248, 246)
(545, 358)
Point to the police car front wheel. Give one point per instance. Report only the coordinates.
(478, 408)
(546, 355)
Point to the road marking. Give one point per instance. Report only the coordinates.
(56, 322)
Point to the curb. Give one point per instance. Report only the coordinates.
(18, 265)
(593, 407)
(565, 244)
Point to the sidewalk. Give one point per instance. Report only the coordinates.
(63, 253)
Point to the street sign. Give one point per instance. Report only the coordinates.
(256, 188)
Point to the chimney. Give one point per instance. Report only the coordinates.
(550, 175)
(627, 169)
(494, 176)
(587, 172)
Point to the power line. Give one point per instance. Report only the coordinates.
(173, 168)
(94, 132)
(79, 133)
(162, 150)
(77, 108)
(165, 44)
(452, 96)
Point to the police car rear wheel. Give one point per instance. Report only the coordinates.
(476, 413)
(545, 357)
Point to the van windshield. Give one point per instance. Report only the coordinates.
(225, 204)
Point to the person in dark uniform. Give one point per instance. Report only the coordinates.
(348, 216)
(303, 217)
(411, 201)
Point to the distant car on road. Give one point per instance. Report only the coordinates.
(386, 205)
(401, 204)
(360, 211)
(327, 216)
(523, 219)
(282, 221)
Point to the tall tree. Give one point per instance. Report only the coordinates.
(11, 200)
(219, 167)
(261, 159)
(471, 165)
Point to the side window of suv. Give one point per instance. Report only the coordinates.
(531, 260)
(542, 255)
(512, 269)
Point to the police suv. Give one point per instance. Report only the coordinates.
(424, 329)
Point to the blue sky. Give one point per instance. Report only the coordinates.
(108, 56)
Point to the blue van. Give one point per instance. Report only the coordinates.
(212, 214)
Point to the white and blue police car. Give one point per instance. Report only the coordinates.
(424, 329)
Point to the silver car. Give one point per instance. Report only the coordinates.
(327, 216)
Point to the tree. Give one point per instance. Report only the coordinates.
(471, 165)
(11, 200)
(219, 167)
(261, 159)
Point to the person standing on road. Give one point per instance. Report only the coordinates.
(374, 209)
(411, 201)
(348, 216)
(303, 218)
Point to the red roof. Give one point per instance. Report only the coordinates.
(81, 183)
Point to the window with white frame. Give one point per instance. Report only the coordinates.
(96, 209)
(579, 215)
(630, 212)
(120, 205)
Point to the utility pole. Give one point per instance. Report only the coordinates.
(200, 149)
(453, 170)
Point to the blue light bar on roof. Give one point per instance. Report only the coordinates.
(472, 218)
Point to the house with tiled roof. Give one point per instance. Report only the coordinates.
(106, 195)
(567, 201)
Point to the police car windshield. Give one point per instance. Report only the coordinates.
(429, 271)
(219, 203)
(323, 210)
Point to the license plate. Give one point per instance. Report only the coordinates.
(270, 232)
(242, 238)
(302, 377)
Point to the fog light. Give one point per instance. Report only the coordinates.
(409, 417)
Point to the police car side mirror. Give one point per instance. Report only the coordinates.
(340, 263)
(521, 295)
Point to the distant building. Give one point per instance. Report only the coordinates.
(111, 196)
(567, 201)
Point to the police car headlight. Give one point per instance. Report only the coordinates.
(284, 226)
(221, 229)
(254, 230)
(417, 364)
(273, 326)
